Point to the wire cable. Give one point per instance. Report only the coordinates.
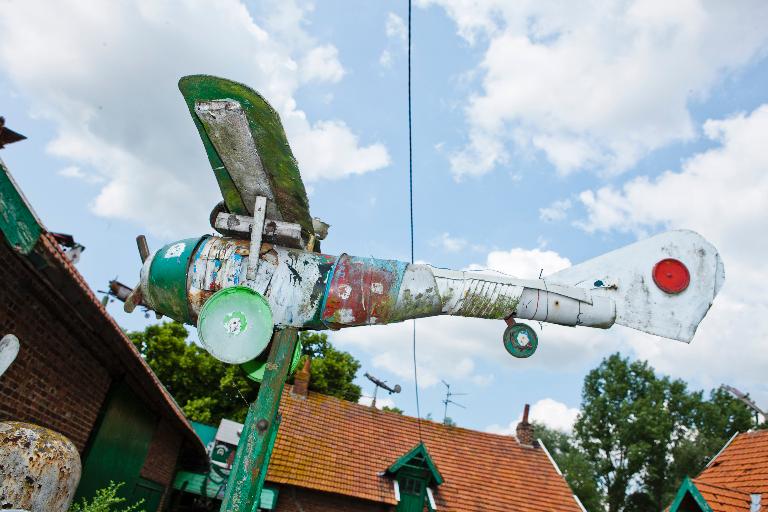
(410, 197)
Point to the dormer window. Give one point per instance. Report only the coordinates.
(413, 476)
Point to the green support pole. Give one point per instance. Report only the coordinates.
(245, 482)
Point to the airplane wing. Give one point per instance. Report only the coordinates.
(247, 148)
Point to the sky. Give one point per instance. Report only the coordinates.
(545, 134)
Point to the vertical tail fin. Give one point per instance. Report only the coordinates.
(652, 291)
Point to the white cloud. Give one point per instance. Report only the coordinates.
(381, 401)
(721, 193)
(75, 172)
(448, 243)
(556, 211)
(106, 78)
(397, 37)
(395, 27)
(595, 86)
(321, 64)
(524, 263)
(553, 414)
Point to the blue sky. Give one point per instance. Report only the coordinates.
(544, 134)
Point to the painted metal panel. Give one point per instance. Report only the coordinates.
(17, 219)
(119, 445)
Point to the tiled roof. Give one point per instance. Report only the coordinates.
(331, 445)
(743, 465)
(740, 470)
(723, 500)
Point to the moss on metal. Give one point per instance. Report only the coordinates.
(271, 142)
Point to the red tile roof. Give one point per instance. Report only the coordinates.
(331, 445)
(740, 470)
(723, 500)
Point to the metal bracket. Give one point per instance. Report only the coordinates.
(283, 233)
(259, 211)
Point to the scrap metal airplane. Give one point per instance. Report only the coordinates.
(266, 271)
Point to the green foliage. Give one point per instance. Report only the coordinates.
(205, 388)
(577, 469)
(333, 371)
(106, 500)
(644, 433)
(395, 410)
(208, 390)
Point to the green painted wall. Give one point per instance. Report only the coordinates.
(119, 448)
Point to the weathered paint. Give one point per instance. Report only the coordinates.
(39, 468)
(164, 285)
(18, 221)
(9, 349)
(270, 143)
(362, 291)
(245, 479)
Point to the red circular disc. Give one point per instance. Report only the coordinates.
(671, 275)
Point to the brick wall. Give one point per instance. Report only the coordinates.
(295, 499)
(160, 464)
(54, 382)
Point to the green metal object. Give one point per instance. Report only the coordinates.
(254, 369)
(686, 494)
(208, 484)
(245, 481)
(235, 324)
(167, 279)
(520, 340)
(119, 448)
(17, 220)
(270, 140)
(414, 472)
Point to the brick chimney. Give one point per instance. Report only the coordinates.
(301, 380)
(525, 429)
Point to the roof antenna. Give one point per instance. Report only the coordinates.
(378, 383)
(447, 400)
(744, 397)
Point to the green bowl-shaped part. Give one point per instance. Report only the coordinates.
(235, 324)
(254, 369)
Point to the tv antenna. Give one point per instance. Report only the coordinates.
(378, 383)
(744, 397)
(447, 400)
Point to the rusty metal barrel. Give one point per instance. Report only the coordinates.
(39, 468)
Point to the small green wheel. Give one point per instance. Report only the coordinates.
(520, 340)
(235, 324)
(254, 369)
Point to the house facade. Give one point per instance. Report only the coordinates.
(735, 480)
(77, 373)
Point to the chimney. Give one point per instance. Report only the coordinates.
(756, 499)
(525, 429)
(301, 380)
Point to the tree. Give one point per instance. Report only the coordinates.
(395, 410)
(333, 371)
(578, 471)
(208, 390)
(644, 433)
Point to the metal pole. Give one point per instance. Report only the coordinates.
(245, 482)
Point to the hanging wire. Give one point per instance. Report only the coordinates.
(410, 192)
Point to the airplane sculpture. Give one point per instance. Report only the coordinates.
(266, 271)
(265, 278)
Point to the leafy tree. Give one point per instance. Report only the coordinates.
(644, 433)
(208, 390)
(577, 469)
(333, 371)
(395, 410)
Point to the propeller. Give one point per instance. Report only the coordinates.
(134, 298)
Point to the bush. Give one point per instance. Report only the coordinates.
(106, 500)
